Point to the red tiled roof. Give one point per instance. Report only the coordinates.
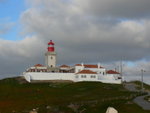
(38, 65)
(86, 72)
(112, 72)
(65, 66)
(78, 65)
(89, 66)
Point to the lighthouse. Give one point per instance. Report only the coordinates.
(50, 55)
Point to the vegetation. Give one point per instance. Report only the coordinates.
(138, 83)
(147, 98)
(81, 97)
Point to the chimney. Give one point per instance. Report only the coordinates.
(98, 65)
(82, 64)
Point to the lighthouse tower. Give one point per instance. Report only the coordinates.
(50, 55)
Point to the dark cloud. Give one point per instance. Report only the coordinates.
(131, 9)
(79, 37)
(15, 56)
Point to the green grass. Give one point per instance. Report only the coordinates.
(88, 97)
(138, 83)
(147, 98)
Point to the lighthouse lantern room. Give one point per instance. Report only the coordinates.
(51, 46)
(50, 55)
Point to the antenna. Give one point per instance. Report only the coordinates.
(121, 68)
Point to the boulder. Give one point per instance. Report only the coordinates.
(111, 110)
(33, 112)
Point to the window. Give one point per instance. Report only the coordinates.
(77, 76)
(93, 76)
(83, 76)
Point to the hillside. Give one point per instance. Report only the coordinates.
(138, 83)
(82, 97)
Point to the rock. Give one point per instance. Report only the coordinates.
(74, 107)
(33, 111)
(111, 110)
(48, 107)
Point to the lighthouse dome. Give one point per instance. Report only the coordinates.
(51, 42)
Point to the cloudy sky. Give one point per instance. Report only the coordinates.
(88, 31)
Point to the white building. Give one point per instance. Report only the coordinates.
(77, 73)
(37, 68)
(86, 75)
(95, 68)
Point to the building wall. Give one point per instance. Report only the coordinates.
(110, 78)
(38, 67)
(50, 59)
(49, 76)
(29, 76)
(98, 70)
(86, 77)
(78, 68)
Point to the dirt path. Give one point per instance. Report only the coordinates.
(140, 99)
(141, 102)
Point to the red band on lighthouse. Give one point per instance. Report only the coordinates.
(51, 46)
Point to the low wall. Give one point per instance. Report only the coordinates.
(49, 76)
(37, 76)
(109, 79)
(27, 77)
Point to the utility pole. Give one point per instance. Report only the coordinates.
(142, 88)
(121, 71)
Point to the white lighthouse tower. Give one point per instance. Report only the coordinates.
(50, 55)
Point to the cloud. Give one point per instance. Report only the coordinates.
(131, 68)
(5, 27)
(81, 37)
(130, 9)
(82, 33)
(15, 56)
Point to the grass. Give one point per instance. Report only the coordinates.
(138, 83)
(83, 97)
(147, 98)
